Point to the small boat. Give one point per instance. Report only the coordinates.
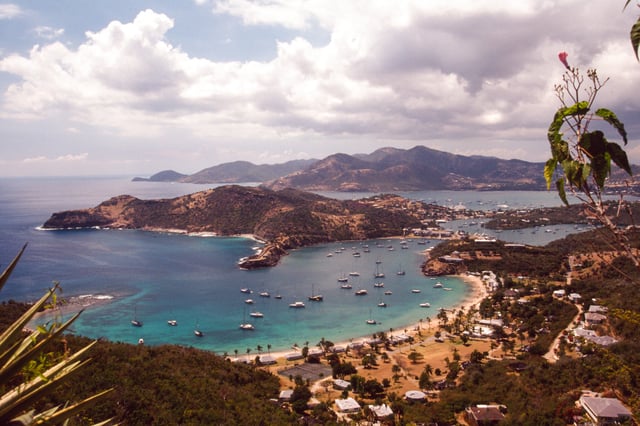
(415, 290)
(296, 305)
(256, 314)
(354, 274)
(278, 296)
(356, 254)
(346, 286)
(135, 321)
(329, 254)
(379, 272)
(172, 322)
(425, 305)
(371, 321)
(438, 285)
(315, 297)
(247, 326)
(249, 301)
(245, 290)
(388, 293)
(382, 304)
(265, 294)
(361, 292)
(198, 333)
(378, 285)
(447, 288)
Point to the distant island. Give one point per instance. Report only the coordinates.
(384, 170)
(285, 219)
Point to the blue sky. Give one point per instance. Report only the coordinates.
(134, 87)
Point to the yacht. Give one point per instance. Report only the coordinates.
(198, 333)
(361, 292)
(256, 314)
(296, 305)
(425, 305)
(378, 285)
(438, 285)
(172, 322)
(346, 286)
(415, 290)
(247, 326)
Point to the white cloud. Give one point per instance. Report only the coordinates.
(10, 11)
(68, 158)
(447, 74)
(48, 33)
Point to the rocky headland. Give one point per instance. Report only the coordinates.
(285, 219)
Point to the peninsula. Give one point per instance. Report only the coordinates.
(284, 219)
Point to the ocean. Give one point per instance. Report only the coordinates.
(154, 277)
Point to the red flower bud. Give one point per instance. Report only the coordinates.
(563, 58)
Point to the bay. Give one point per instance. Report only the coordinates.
(155, 277)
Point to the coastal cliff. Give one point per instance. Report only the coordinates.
(285, 219)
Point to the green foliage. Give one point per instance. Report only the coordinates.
(29, 373)
(634, 34)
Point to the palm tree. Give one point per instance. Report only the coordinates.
(269, 348)
(20, 353)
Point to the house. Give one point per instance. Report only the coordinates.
(482, 415)
(340, 384)
(293, 356)
(285, 395)
(415, 396)
(381, 411)
(575, 297)
(348, 405)
(592, 318)
(598, 309)
(267, 360)
(559, 293)
(604, 411)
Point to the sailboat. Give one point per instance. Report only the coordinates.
(315, 297)
(401, 271)
(371, 321)
(245, 325)
(135, 321)
(343, 279)
(379, 272)
(197, 331)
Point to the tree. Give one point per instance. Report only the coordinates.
(28, 374)
(585, 155)
(634, 33)
(299, 398)
(414, 357)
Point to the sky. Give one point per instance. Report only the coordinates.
(132, 87)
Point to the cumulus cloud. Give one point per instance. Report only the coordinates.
(439, 72)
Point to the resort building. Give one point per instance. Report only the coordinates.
(348, 405)
(482, 415)
(604, 411)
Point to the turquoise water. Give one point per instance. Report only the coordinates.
(155, 277)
